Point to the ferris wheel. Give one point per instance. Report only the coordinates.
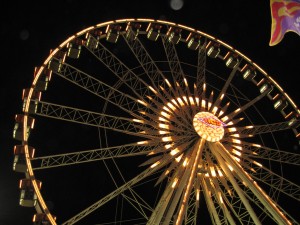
(142, 121)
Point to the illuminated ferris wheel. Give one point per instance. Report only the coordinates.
(141, 121)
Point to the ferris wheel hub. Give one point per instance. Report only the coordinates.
(208, 126)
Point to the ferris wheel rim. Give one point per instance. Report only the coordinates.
(101, 25)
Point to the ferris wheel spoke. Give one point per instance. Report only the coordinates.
(237, 206)
(137, 205)
(292, 219)
(201, 66)
(192, 208)
(215, 217)
(147, 172)
(267, 128)
(164, 122)
(191, 172)
(256, 151)
(231, 177)
(121, 71)
(100, 89)
(133, 200)
(219, 200)
(224, 88)
(221, 152)
(244, 107)
(274, 180)
(72, 158)
(173, 60)
(153, 72)
(216, 191)
(176, 189)
(228, 193)
(119, 124)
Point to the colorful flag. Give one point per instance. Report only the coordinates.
(285, 16)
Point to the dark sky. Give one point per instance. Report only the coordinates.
(29, 30)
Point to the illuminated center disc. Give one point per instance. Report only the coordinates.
(208, 126)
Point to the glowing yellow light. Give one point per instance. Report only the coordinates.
(177, 159)
(168, 83)
(162, 119)
(149, 97)
(168, 146)
(164, 126)
(215, 109)
(203, 103)
(221, 199)
(256, 145)
(166, 108)
(171, 106)
(237, 152)
(165, 139)
(225, 118)
(236, 141)
(257, 163)
(174, 151)
(230, 167)
(185, 81)
(237, 147)
(221, 113)
(237, 159)
(174, 182)
(165, 114)
(209, 105)
(232, 129)
(143, 142)
(238, 109)
(155, 164)
(185, 99)
(220, 173)
(174, 102)
(138, 121)
(152, 89)
(180, 101)
(142, 102)
(163, 132)
(197, 194)
(191, 101)
(197, 101)
(185, 162)
(213, 172)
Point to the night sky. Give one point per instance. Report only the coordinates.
(29, 30)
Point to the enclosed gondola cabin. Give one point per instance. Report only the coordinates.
(28, 196)
(19, 164)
